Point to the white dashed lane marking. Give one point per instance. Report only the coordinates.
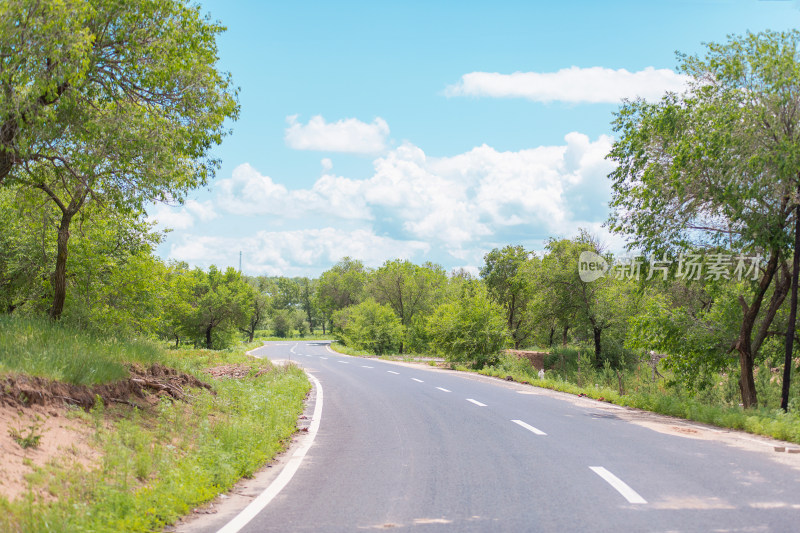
(393, 372)
(529, 427)
(418, 380)
(443, 389)
(476, 402)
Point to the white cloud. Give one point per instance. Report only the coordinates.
(248, 192)
(295, 252)
(181, 217)
(574, 85)
(449, 209)
(454, 203)
(347, 135)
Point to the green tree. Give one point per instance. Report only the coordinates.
(601, 306)
(340, 286)
(719, 165)
(502, 275)
(408, 289)
(220, 303)
(369, 326)
(282, 323)
(257, 314)
(471, 329)
(115, 103)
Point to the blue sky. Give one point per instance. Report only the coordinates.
(432, 131)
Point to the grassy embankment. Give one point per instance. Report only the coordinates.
(157, 462)
(634, 386)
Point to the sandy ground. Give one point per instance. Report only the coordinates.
(64, 439)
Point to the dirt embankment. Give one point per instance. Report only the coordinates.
(142, 383)
(536, 358)
(44, 409)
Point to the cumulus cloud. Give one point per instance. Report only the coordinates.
(573, 85)
(181, 217)
(248, 192)
(454, 203)
(347, 135)
(295, 252)
(448, 209)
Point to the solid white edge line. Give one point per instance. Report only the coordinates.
(443, 389)
(529, 427)
(263, 499)
(476, 402)
(628, 493)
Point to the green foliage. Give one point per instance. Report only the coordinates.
(369, 326)
(509, 284)
(470, 330)
(219, 306)
(39, 347)
(282, 323)
(719, 166)
(26, 438)
(407, 288)
(157, 465)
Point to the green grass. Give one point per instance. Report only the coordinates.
(41, 347)
(158, 463)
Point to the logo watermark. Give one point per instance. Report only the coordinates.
(689, 267)
(592, 266)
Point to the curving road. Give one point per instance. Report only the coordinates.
(405, 447)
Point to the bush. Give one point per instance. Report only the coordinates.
(471, 330)
(369, 326)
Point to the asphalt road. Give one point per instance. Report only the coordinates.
(408, 448)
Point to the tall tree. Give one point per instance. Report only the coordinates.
(221, 303)
(115, 102)
(509, 289)
(340, 286)
(719, 165)
(407, 288)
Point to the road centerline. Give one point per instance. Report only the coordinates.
(443, 389)
(476, 402)
(418, 380)
(620, 486)
(393, 372)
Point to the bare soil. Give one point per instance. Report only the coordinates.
(536, 358)
(26, 391)
(38, 406)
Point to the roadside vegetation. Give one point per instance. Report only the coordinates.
(152, 456)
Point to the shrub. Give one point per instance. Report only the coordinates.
(369, 326)
(471, 330)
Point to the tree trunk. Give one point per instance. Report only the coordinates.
(251, 334)
(208, 337)
(792, 326)
(550, 339)
(564, 337)
(60, 273)
(747, 385)
(743, 344)
(597, 346)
